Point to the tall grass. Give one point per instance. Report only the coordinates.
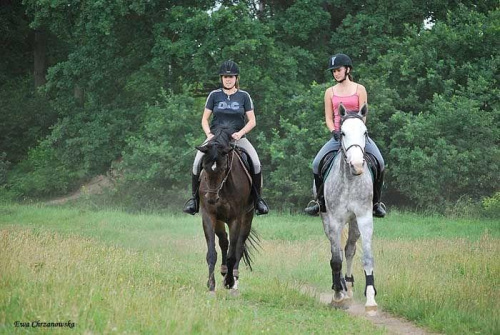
(111, 271)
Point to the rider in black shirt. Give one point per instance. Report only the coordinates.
(229, 104)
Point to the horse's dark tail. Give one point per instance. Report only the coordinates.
(251, 244)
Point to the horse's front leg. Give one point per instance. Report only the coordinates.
(350, 251)
(234, 232)
(208, 229)
(365, 225)
(220, 231)
(333, 229)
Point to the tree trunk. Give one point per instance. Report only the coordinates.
(40, 58)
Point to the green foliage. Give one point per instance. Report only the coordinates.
(433, 91)
(42, 174)
(90, 140)
(432, 165)
(25, 117)
(293, 145)
(491, 205)
(159, 158)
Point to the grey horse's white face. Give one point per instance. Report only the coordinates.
(353, 142)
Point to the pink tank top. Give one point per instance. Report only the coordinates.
(350, 102)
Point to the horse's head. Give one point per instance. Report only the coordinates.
(216, 150)
(353, 137)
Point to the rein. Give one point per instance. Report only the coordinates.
(219, 188)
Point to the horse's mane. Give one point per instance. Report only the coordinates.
(222, 134)
(222, 139)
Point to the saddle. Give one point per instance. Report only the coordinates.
(246, 160)
(326, 164)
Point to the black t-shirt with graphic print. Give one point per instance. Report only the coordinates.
(229, 109)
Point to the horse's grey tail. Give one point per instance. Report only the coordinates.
(251, 244)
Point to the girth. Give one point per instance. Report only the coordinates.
(326, 164)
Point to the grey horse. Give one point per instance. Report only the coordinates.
(348, 197)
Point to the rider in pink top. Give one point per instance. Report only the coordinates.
(352, 95)
(350, 102)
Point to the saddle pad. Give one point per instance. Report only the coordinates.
(327, 163)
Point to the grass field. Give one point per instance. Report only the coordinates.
(113, 272)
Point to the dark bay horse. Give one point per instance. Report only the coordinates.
(348, 196)
(226, 199)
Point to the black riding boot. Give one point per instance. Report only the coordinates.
(378, 206)
(260, 205)
(319, 203)
(191, 206)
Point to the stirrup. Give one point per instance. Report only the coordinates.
(382, 206)
(191, 210)
(310, 204)
(261, 211)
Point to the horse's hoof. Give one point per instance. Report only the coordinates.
(229, 282)
(339, 304)
(211, 294)
(223, 270)
(340, 300)
(234, 292)
(371, 310)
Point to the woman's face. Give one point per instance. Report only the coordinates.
(340, 73)
(228, 81)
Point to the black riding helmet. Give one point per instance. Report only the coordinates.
(229, 68)
(339, 60)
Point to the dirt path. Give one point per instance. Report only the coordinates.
(94, 186)
(392, 324)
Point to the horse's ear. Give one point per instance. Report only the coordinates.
(226, 150)
(364, 110)
(202, 148)
(342, 110)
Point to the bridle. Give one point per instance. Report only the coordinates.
(344, 149)
(229, 166)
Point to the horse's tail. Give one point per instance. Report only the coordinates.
(251, 244)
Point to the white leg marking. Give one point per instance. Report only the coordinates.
(371, 305)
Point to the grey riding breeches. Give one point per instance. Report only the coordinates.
(333, 145)
(243, 143)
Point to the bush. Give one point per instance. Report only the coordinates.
(42, 174)
(158, 158)
(491, 205)
(439, 156)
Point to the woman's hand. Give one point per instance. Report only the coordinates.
(209, 136)
(238, 135)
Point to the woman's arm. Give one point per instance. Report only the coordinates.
(204, 123)
(251, 123)
(329, 110)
